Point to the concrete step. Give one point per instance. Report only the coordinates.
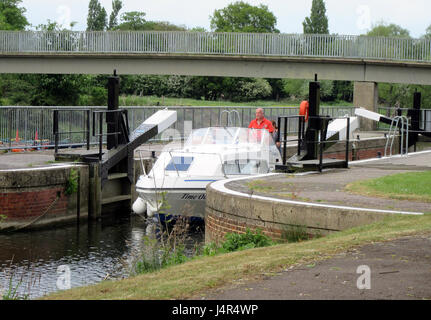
(116, 199)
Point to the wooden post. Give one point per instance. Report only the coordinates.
(95, 193)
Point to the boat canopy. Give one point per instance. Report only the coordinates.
(234, 137)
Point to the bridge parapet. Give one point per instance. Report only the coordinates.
(205, 43)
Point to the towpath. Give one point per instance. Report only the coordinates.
(399, 270)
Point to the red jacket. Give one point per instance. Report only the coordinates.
(265, 124)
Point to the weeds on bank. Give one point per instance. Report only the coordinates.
(237, 242)
(169, 248)
(12, 292)
(295, 233)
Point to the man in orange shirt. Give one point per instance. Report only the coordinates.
(260, 122)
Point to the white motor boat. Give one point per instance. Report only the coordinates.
(176, 185)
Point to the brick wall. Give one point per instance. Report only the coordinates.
(358, 154)
(26, 194)
(31, 204)
(216, 227)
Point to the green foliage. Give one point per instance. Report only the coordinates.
(135, 21)
(56, 89)
(254, 90)
(394, 95)
(12, 15)
(237, 242)
(317, 23)
(382, 29)
(16, 89)
(98, 96)
(211, 249)
(243, 17)
(97, 16)
(248, 240)
(299, 89)
(163, 26)
(12, 292)
(71, 183)
(132, 20)
(2, 218)
(428, 33)
(113, 18)
(342, 91)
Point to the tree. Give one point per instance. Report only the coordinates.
(317, 23)
(132, 20)
(388, 30)
(428, 33)
(12, 16)
(97, 16)
(113, 18)
(243, 17)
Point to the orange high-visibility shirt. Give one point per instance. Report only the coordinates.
(264, 124)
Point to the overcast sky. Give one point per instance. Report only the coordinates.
(345, 17)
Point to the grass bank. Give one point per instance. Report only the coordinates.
(170, 102)
(414, 186)
(195, 277)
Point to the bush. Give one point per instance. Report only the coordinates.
(253, 90)
(99, 96)
(249, 240)
(237, 242)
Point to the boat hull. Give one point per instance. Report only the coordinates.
(177, 202)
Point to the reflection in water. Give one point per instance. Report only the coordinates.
(92, 251)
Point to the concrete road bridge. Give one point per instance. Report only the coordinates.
(332, 57)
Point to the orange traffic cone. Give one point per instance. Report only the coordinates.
(17, 136)
(36, 137)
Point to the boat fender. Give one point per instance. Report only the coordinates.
(304, 110)
(139, 206)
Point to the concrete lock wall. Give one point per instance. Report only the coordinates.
(28, 197)
(227, 213)
(358, 149)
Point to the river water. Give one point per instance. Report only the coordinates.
(37, 262)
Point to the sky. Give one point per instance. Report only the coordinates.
(348, 17)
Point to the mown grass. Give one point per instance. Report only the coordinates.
(402, 186)
(194, 278)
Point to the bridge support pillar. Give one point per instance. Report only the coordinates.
(365, 95)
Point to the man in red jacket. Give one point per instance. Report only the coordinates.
(260, 122)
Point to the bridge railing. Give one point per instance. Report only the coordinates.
(171, 42)
(34, 125)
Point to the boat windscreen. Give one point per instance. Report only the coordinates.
(230, 136)
(179, 164)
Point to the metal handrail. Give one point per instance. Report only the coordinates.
(209, 43)
(229, 120)
(404, 124)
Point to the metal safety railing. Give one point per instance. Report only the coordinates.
(284, 124)
(184, 42)
(391, 112)
(57, 133)
(34, 126)
(404, 129)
